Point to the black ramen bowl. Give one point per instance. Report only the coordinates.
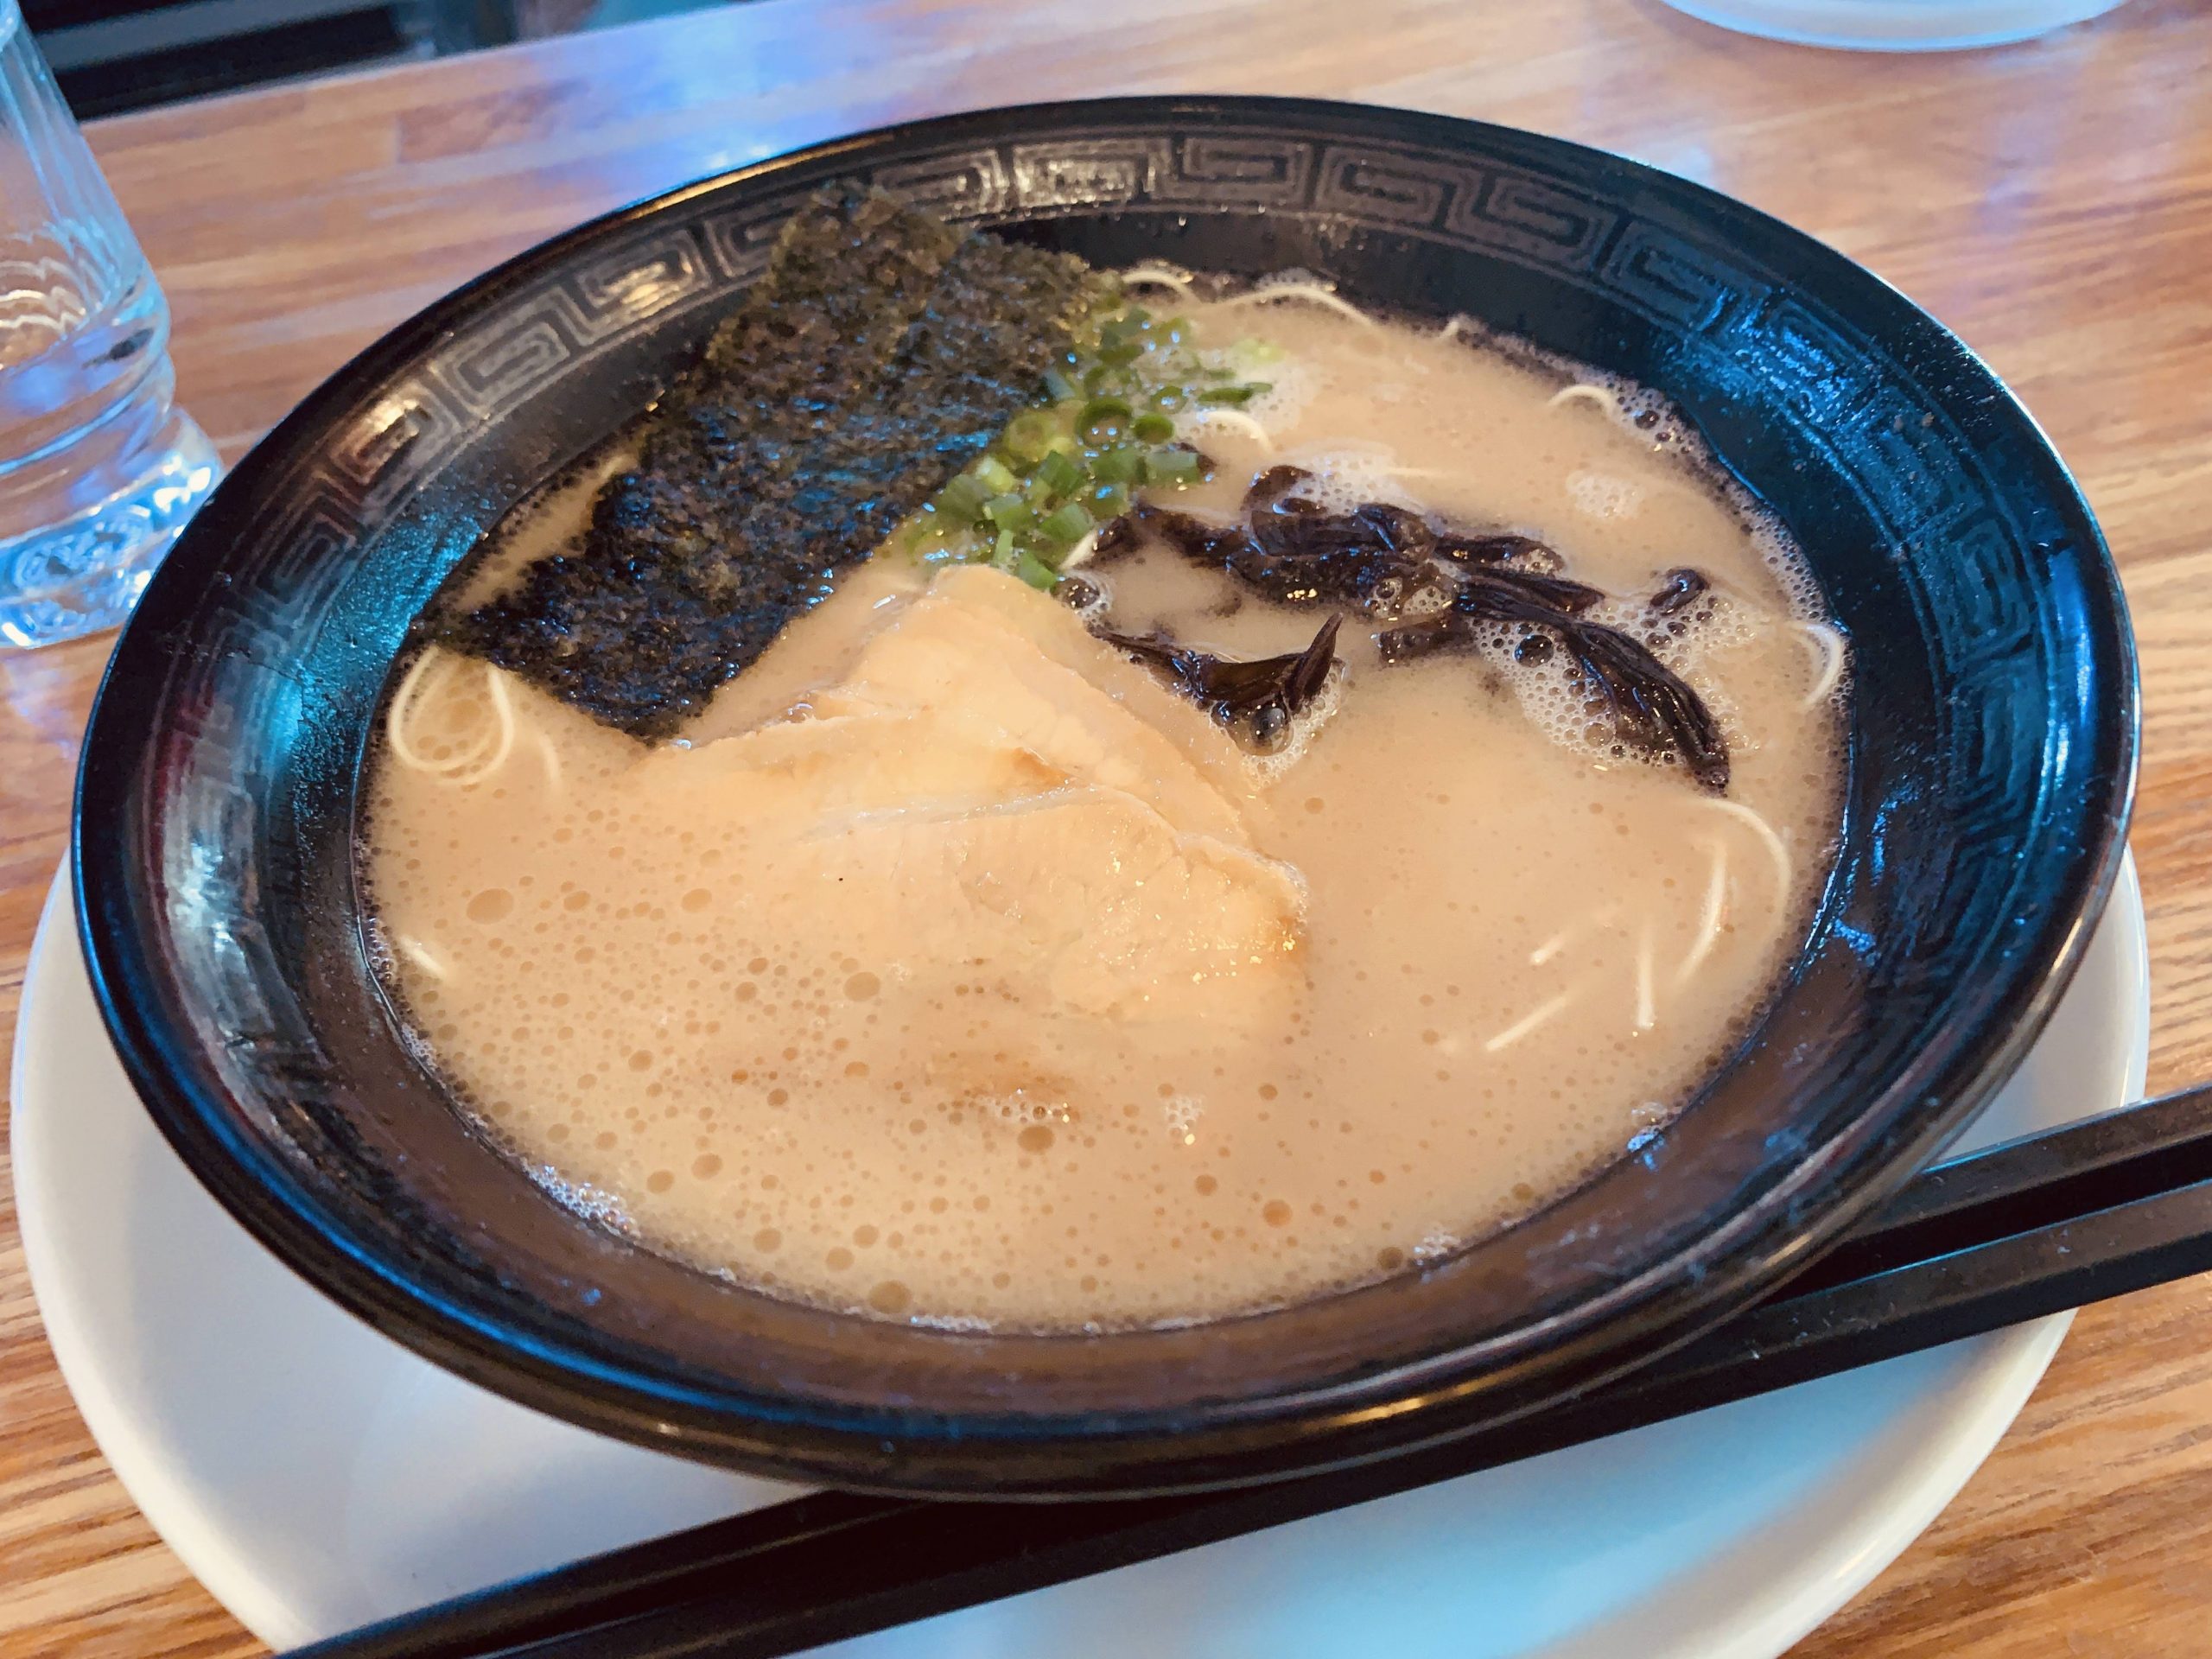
(1991, 761)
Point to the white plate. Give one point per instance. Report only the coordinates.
(1895, 25)
(315, 1475)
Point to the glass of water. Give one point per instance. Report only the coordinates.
(98, 468)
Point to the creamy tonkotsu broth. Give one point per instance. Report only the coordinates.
(953, 967)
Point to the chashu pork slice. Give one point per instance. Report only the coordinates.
(992, 798)
(998, 661)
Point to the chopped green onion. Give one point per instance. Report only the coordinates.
(1035, 571)
(1066, 526)
(997, 477)
(1171, 466)
(1239, 394)
(1060, 475)
(1168, 399)
(1125, 333)
(963, 498)
(1151, 427)
(1038, 492)
(1103, 420)
(1009, 512)
(1118, 466)
(1002, 550)
(1059, 388)
(1029, 435)
(1108, 502)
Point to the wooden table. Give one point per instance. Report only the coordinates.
(2052, 201)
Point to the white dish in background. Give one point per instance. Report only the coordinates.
(1895, 25)
(316, 1475)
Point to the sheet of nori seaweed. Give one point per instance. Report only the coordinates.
(877, 356)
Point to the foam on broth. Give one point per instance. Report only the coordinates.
(1513, 952)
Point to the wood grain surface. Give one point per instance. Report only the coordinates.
(2052, 201)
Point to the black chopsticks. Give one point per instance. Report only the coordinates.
(2114, 1204)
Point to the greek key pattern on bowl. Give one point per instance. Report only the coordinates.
(1724, 309)
(527, 347)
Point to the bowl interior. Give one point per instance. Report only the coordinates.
(1991, 758)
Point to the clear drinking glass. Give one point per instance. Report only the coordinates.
(98, 468)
